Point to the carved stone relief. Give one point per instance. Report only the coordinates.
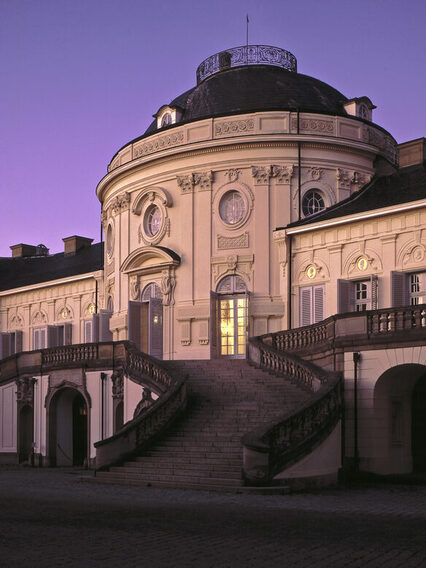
(25, 390)
(203, 180)
(282, 174)
(159, 143)
(186, 183)
(134, 287)
(232, 174)
(167, 286)
(117, 378)
(233, 127)
(240, 241)
(261, 174)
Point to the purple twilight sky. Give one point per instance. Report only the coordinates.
(80, 78)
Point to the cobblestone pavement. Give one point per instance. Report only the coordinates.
(49, 518)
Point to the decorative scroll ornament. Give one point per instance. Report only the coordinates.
(233, 126)
(134, 287)
(283, 174)
(186, 183)
(203, 180)
(158, 143)
(121, 202)
(232, 174)
(39, 318)
(167, 286)
(16, 322)
(261, 174)
(315, 173)
(118, 384)
(344, 178)
(25, 390)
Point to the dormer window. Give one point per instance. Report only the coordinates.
(167, 115)
(361, 107)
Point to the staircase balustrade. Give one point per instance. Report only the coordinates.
(138, 366)
(269, 450)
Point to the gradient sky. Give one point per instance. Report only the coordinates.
(80, 78)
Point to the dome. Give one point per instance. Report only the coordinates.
(253, 86)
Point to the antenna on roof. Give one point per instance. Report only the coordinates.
(247, 23)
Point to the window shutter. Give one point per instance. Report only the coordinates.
(134, 323)
(213, 326)
(345, 291)
(305, 306)
(318, 304)
(68, 333)
(374, 281)
(18, 340)
(104, 331)
(52, 336)
(155, 318)
(4, 345)
(88, 338)
(399, 289)
(95, 328)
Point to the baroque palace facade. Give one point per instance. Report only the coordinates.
(260, 200)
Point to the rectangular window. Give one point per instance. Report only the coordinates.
(408, 289)
(311, 305)
(417, 285)
(357, 295)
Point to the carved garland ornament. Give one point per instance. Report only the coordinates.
(233, 126)
(240, 241)
(158, 144)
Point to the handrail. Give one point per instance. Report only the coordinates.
(272, 448)
(378, 323)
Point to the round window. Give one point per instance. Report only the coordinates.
(312, 202)
(152, 221)
(232, 207)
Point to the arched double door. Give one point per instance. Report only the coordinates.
(146, 321)
(232, 302)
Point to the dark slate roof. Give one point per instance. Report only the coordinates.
(256, 88)
(24, 271)
(405, 185)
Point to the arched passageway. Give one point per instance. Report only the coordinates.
(68, 430)
(400, 420)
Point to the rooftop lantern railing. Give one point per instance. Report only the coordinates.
(246, 55)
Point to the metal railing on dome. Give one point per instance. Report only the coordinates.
(246, 55)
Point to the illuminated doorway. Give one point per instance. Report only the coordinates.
(233, 316)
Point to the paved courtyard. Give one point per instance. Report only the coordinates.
(49, 518)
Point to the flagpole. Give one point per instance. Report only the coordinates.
(247, 22)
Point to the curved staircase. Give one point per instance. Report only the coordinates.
(203, 449)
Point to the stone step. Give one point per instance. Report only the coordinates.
(177, 479)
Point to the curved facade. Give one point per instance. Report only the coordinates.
(195, 200)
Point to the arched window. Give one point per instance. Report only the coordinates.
(231, 285)
(166, 120)
(151, 291)
(312, 202)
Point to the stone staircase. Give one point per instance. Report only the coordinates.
(227, 398)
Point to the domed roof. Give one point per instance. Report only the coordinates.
(255, 87)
